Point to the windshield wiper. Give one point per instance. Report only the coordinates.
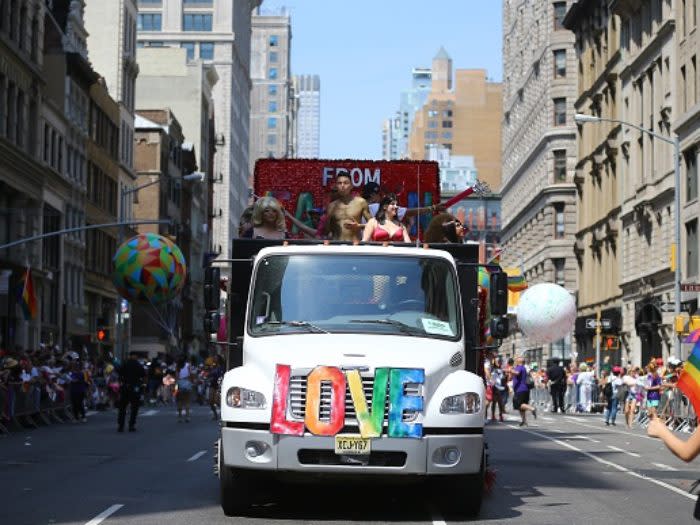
(403, 327)
(304, 324)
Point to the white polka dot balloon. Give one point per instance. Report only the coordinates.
(546, 313)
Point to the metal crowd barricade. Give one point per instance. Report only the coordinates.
(24, 407)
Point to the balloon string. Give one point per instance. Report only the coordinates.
(162, 323)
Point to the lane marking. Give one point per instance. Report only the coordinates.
(617, 449)
(586, 438)
(197, 455)
(437, 520)
(572, 418)
(90, 413)
(628, 433)
(104, 515)
(665, 467)
(547, 418)
(622, 469)
(150, 413)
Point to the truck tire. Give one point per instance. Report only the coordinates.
(235, 491)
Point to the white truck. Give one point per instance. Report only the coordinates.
(320, 331)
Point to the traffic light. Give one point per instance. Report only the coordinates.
(212, 290)
(611, 342)
(499, 327)
(102, 335)
(498, 293)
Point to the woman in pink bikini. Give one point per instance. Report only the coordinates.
(385, 226)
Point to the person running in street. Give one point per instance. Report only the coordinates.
(131, 377)
(557, 386)
(521, 391)
(184, 389)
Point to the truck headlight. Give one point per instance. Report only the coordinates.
(467, 403)
(238, 397)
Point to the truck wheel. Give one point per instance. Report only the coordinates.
(235, 488)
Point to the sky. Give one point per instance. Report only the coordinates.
(364, 51)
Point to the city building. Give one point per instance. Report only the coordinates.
(158, 161)
(685, 124)
(307, 89)
(539, 151)
(160, 69)
(397, 128)
(217, 32)
(464, 118)
(111, 26)
(22, 171)
(272, 102)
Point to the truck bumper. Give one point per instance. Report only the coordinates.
(255, 449)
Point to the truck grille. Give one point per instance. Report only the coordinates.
(297, 399)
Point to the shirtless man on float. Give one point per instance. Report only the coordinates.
(346, 211)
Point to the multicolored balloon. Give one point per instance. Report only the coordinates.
(546, 313)
(149, 268)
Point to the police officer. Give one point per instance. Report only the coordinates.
(131, 377)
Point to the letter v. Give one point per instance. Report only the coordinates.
(371, 424)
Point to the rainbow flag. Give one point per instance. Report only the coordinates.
(27, 299)
(689, 380)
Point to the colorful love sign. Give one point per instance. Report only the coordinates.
(370, 422)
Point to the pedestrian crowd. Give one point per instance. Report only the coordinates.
(35, 384)
(636, 393)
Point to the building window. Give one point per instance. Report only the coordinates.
(691, 242)
(559, 222)
(274, 41)
(206, 50)
(272, 106)
(189, 46)
(272, 123)
(691, 174)
(432, 124)
(684, 90)
(273, 57)
(446, 123)
(272, 73)
(150, 22)
(152, 3)
(559, 14)
(447, 113)
(271, 140)
(560, 165)
(694, 79)
(560, 63)
(447, 135)
(559, 271)
(197, 3)
(272, 89)
(559, 111)
(196, 22)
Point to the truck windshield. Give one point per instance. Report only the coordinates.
(399, 295)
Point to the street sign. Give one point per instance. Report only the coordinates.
(592, 323)
(690, 287)
(667, 307)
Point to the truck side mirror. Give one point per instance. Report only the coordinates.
(212, 292)
(499, 293)
(499, 327)
(234, 354)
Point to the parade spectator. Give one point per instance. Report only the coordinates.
(586, 382)
(184, 389)
(386, 225)
(521, 391)
(613, 386)
(78, 389)
(556, 376)
(499, 385)
(268, 220)
(653, 389)
(630, 381)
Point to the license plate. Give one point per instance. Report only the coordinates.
(352, 445)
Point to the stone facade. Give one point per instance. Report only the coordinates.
(538, 149)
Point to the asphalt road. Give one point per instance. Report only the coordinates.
(560, 469)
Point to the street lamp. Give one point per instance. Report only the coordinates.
(197, 176)
(583, 118)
